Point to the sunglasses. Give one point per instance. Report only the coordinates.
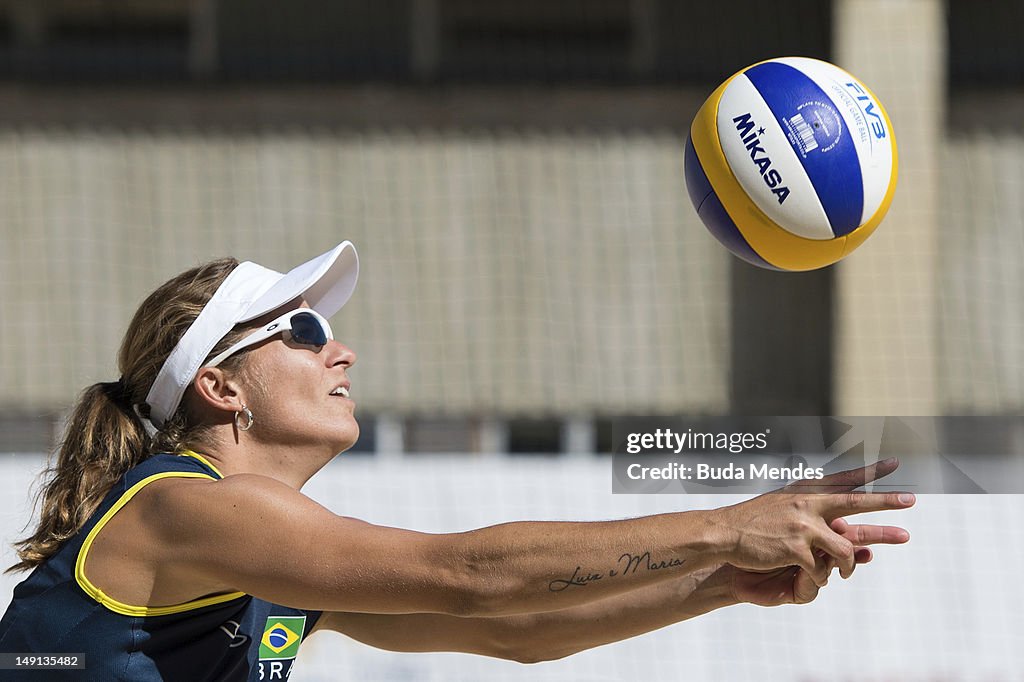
(304, 326)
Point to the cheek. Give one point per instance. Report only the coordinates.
(289, 386)
(254, 379)
(275, 386)
(296, 389)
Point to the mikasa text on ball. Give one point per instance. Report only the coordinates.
(791, 163)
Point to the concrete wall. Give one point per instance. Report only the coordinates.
(526, 273)
(513, 269)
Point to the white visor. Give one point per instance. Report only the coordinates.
(251, 290)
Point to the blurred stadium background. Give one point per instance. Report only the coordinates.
(511, 172)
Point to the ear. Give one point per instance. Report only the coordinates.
(216, 389)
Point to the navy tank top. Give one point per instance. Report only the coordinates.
(57, 610)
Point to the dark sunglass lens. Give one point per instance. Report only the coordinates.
(307, 329)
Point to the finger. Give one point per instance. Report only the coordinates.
(804, 588)
(861, 555)
(838, 548)
(839, 525)
(815, 564)
(844, 504)
(846, 481)
(830, 563)
(823, 564)
(869, 534)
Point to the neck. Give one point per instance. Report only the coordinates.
(291, 464)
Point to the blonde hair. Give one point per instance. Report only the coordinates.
(105, 436)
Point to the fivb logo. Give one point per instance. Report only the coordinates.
(281, 637)
(877, 125)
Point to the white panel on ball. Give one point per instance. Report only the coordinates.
(801, 211)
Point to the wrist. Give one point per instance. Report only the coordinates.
(720, 536)
(723, 584)
(712, 588)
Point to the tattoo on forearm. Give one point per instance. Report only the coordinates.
(576, 579)
(628, 564)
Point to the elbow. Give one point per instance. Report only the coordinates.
(517, 639)
(478, 597)
(532, 657)
(528, 651)
(478, 589)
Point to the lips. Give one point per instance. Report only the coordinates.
(340, 390)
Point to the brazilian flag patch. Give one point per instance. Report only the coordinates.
(281, 637)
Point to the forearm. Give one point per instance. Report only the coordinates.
(534, 567)
(544, 636)
(547, 636)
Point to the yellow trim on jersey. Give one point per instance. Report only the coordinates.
(196, 455)
(128, 609)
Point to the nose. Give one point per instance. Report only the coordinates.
(341, 354)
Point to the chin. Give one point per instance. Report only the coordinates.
(348, 438)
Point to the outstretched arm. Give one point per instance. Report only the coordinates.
(546, 636)
(254, 528)
(535, 637)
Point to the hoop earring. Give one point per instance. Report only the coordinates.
(250, 419)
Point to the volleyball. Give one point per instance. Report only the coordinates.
(791, 163)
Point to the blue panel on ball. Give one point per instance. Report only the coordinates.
(721, 225)
(697, 183)
(819, 137)
(713, 214)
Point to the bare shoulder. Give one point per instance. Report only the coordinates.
(187, 505)
(254, 534)
(196, 519)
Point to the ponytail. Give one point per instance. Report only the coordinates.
(105, 436)
(103, 439)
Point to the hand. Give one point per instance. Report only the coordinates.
(792, 584)
(791, 527)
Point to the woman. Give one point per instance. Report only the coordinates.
(174, 542)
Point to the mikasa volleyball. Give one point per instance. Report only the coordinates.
(791, 163)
